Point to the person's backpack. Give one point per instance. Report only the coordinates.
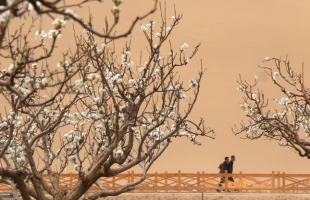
(220, 166)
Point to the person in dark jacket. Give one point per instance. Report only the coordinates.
(223, 167)
(230, 167)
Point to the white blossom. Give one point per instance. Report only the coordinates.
(93, 77)
(33, 10)
(130, 64)
(62, 64)
(80, 84)
(72, 159)
(40, 35)
(241, 89)
(33, 65)
(119, 153)
(59, 22)
(11, 68)
(131, 81)
(183, 134)
(157, 34)
(101, 90)
(172, 18)
(20, 160)
(5, 17)
(71, 12)
(53, 33)
(184, 47)
(171, 115)
(168, 29)
(143, 28)
(28, 81)
(76, 140)
(171, 54)
(275, 75)
(283, 101)
(18, 58)
(192, 83)
(183, 96)
(191, 137)
(116, 9)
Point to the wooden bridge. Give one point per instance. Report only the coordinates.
(197, 182)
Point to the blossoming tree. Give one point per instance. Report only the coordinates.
(290, 122)
(95, 112)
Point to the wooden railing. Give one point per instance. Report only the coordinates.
(197, 182)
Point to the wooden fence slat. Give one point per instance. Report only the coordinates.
(155, 183)
(166, 181)
(128, 179)
(179, 181)
(226, 181)
(203, 176)
(278, 185)
(272, 182)
(198, 181)
(240, 180)
(71, 180)
(283, 182)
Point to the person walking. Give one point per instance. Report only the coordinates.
(230, 168)
(223, 167)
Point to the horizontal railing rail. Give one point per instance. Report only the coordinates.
(195, 182)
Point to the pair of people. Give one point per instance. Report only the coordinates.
(227, 165)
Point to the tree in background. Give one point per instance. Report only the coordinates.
(290, 122)
(97, 111)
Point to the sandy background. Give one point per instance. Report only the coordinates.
(236, 36)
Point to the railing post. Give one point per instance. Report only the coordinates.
(278, 185)
(203, 176)
(132, 179)
(71, 181)
(155, 183)
(166, 181)
(226, 181)
(179, 181)
(283, 182)
(198, 181)
(272, 181)
(240, 180)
